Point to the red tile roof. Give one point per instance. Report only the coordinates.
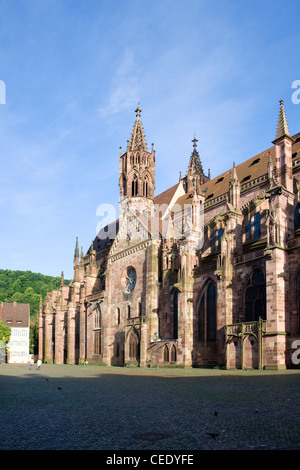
(14, 314)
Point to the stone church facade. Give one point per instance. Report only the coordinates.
(205, 274)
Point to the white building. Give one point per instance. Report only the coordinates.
(17, 317)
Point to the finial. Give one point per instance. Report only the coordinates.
(179, 176)
(138, 111)
(195, 140)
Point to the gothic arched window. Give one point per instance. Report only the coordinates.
(175, 313)
(134, 185)
(173, 353)
(255, 296)
(215, 240)
(298, 297)
(97, 330)
(297, 216)
(145, 187)
(97, 318)
(130, 279)
(207, 313)
(252, 229)
(166, 354)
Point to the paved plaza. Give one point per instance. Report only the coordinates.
(65, 407)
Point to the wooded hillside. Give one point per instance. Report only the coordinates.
(26, 287)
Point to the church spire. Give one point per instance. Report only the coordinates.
(282, 127)
(195, 175)
(137, 139)
(195, 165)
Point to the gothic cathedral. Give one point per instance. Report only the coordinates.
(204, 274)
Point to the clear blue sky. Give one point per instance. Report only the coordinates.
(74, 72)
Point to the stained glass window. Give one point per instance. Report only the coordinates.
(215, 240)
(252, 228)
(255, 296)
(130, 279)
(207, 314)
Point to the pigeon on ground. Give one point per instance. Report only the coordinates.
(212, 434)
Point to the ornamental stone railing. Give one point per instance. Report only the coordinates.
(241, 331)
(246, 328)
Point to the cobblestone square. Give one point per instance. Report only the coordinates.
(66, 407)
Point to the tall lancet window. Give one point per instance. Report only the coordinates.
(252, 229)
(297, 215)
(255, 296)
(175, 314)
(207, 313)
(145, 187)
(97, 330)
(134, 186)
(215, 240)
(298, 298)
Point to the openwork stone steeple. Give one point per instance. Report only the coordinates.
(195, 174)
(195, 165)
(137, 139)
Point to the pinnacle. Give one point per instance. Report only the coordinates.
(282, 128)
(76, 253)
(233, 174)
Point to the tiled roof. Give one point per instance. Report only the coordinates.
(14, 314)
(166, 196)
(249, 170)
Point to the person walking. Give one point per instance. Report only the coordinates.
(31, 362)
(39, 362)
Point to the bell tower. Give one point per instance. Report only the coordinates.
(137, 165)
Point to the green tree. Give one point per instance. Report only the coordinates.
(27, 287)
(4, 332)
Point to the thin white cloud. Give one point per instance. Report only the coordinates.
(123, 93)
